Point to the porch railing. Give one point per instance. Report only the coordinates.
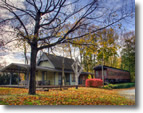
(43, 82)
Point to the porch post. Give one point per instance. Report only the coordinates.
(43, 74)
(70, 79)
(54, 78)
(18, 75)
(27, 78)
(10, 82)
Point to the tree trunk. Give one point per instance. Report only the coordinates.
(32, 84)
(80, 56)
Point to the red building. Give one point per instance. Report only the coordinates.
(111, 74)
(83, 76)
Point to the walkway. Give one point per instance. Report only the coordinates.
(129, 93)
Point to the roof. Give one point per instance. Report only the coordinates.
(57, 62)
(99, 67)
(86, 73)
(16, 67)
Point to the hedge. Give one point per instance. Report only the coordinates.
(93, 83)
(118, 86)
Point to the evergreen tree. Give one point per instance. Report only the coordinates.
(128, 54)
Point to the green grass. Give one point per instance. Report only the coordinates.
(119, 86)
(3, 103)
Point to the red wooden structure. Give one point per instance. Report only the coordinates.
(112, 75)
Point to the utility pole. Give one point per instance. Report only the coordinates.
(103, 60)
(102, 68)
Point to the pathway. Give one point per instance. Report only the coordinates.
(129, 93)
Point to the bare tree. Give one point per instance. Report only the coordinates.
(42, 23)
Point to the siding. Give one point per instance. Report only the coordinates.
(100, 74)
(117, 74)
(46, 64)
(114, 75)
(39, 76)
(51, 78)
(56, 79)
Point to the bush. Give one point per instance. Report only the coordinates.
(118, 86)
(89, 76)
(123, 85)
(109, 86)
(93, 83)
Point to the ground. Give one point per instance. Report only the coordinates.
(72, 96)
(128, 93)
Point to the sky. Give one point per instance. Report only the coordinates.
(129, 5)
(16, 55)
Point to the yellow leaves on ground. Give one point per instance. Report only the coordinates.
(12, 91)
(72, 96)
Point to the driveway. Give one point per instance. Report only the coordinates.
(129, 94)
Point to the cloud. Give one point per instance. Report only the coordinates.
(11, 58)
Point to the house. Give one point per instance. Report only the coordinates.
(48, 71)
(55, 77)
(111, 74)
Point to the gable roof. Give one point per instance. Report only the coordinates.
(99, 67)
(57, 61)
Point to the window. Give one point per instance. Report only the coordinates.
(67, 77)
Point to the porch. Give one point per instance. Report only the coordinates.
(44, 76)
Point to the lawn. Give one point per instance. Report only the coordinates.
(72, 96)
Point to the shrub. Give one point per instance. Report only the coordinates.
(93, 83)
(123, 85)
(109, 86)
(89, 76)
(118, 86)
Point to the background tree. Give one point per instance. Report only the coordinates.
(128, 54)
(42, 23)
(107, 46)
(24, 46)
(91, 49)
